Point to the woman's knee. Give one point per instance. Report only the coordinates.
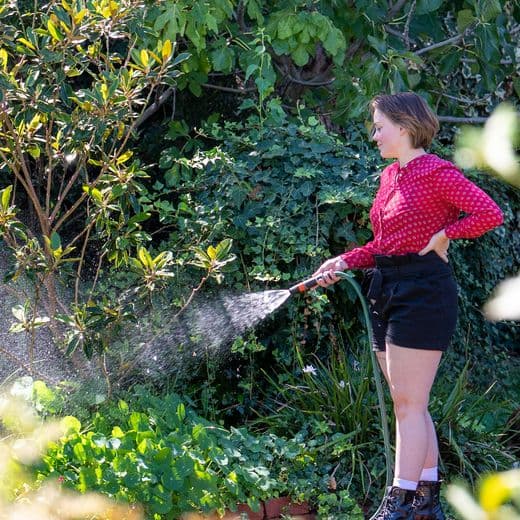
(406, 404)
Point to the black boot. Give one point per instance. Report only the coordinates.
(426, 504)
(397, 505)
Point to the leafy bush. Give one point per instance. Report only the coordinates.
(160, 453)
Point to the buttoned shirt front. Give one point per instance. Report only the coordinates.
(416, 201)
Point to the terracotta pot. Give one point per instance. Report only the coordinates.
(244, 508)
(269, 510)
(229, 515)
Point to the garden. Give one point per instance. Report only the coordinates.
(168, 169)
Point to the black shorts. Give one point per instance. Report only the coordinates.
(412, 301)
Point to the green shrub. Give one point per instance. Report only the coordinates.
(160, 453)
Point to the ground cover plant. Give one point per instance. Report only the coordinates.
(162, 454)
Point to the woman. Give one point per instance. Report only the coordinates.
(412, 292)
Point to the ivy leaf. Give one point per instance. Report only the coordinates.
(300, 56)
(489, 9)
(285, 29)
(427, 6)
(465, 18)
(223, 58)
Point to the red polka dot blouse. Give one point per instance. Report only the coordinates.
(418, 200)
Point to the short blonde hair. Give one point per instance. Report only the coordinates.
(410, 111)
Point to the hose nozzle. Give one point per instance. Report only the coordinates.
(304, 286)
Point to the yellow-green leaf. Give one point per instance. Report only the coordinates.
(70, 425)
(145, 59)
(6, 197)
(35, 151)
(78, 17)
(27, 43)
(124, 157)
(104, 91)
(145, 257)
(54, 31)
(35, 123)
(166, 51)
(3, 59)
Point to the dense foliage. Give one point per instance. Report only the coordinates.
(162, 454)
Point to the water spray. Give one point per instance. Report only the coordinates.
(209, 326)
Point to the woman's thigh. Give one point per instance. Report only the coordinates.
(411, 372)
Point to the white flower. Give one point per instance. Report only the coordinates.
(341, 384)
(309, 369)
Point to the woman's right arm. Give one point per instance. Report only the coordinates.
(358, 258)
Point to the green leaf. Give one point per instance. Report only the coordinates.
(70, 425)
(181, 412)
(222, 59)
(252, 67)
(489, 9)
(427, 6)
(465, 17)
(34, 151)
(335, 42)
(285, 27)
(516, 84)
(300, 56)
(55, 241)
(5, 197)
(56, 35)
(223, 248)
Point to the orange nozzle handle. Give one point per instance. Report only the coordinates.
(306, 285)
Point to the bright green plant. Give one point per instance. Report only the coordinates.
(20, 496)
(160, 453)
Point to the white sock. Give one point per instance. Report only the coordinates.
(410, 485)
(430, 474)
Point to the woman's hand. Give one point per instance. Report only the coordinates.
(327, 270)
(438, 243)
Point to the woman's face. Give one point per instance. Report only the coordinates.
(391, 139)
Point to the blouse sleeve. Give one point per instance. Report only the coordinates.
(482, 213)
(361, 257)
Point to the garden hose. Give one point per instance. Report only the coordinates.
(311, 283)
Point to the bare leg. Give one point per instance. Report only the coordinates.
(411, 373)
(432, 453)
(432, 456)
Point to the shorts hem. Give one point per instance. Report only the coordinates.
(443, 347)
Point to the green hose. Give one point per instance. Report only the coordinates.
(377, 378)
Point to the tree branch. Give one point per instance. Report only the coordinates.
(462, 120)
(395, 32)
(311, 83)
(154, 107)
(443, 43)
(395, 9)
(229, 89)
(240, 12)
(407, 25)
